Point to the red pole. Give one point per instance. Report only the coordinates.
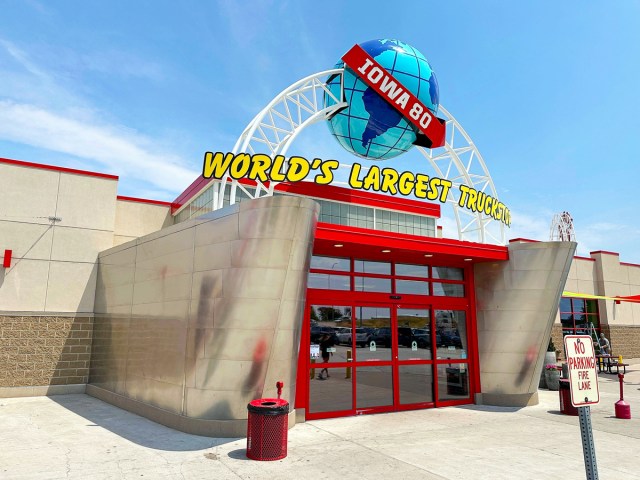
(623, 409)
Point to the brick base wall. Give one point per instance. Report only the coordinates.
(625, 340)
(43, 350)
(558, 341)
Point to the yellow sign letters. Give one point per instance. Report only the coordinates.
(264, 168)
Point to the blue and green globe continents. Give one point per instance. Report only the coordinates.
(370, 127)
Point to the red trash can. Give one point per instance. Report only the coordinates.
(267, 429)
(566, 406)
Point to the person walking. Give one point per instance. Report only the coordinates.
(326, 342)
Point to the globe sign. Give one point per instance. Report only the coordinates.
(370, 127)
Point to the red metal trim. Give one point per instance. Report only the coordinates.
(54, 168)
(604, 252)
(629, 264)
(523, 240)
(144, 200)
(472, 343)
(353, 299)
(326, 192)
(6, 263)
(415, 245)
(191, 191)
(304, 364)
(584, 258)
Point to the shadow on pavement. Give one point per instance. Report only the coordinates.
(490, 408)
(133, 427)
(239, 454)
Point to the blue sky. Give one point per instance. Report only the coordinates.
(547, 90)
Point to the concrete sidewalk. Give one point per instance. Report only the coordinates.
(80, 437)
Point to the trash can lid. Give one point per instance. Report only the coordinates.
(268, 406)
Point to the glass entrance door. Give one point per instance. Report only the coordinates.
(415, 357)
(379, 357)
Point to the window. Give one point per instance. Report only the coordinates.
(330, 212)
(577, 315)
(364, 266)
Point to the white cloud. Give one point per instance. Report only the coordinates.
(114, 147)
(530, 227)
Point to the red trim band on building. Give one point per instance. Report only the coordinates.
(402, 246)
(58, 169)
(396, 94)
(584, 258)
(144, 200)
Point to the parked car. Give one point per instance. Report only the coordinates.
(344, 335)
(450, 339)
(362, 336)
(317, 332)
(422, 337)
(382, 337)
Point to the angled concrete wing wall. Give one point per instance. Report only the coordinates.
(194, 321)
(516, 304)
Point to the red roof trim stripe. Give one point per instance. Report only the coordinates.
(604, 252)
(144, 200)
(513, 240)
(629, 264)
(57, 169)
(584, 258)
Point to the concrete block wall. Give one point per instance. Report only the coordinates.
(41, 351)
(55, 221)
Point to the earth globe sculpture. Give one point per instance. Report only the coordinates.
(369, 126)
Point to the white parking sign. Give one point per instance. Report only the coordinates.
(583, 375)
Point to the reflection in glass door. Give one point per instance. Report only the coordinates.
(385, 357)
(452, 347)
(373, 370)
(415, 369)
(330, 386)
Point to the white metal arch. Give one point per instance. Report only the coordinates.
(279, 123)
(302, 104)
(460, 162)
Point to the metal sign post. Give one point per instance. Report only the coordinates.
(588, 448)
(583, 378)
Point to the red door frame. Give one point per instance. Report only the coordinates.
(433, 303)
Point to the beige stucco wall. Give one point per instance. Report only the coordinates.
(54, 262)
(603, 274)
(135, 219)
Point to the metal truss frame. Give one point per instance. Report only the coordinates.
(562, 228)
(279, 123)
(460, 162)
(302, 104)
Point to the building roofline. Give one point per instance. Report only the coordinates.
(124, 198)
(55, 168)
(604, 252)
